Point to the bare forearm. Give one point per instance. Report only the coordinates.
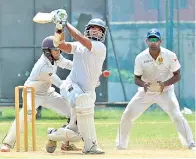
(172, 80)
(139, 82)
(76, 34)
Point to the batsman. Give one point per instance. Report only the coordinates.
(89, 53)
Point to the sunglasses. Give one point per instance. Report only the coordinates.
(153, 39)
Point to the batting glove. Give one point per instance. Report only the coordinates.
(59, 16)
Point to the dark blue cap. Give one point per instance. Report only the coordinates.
(154, 32)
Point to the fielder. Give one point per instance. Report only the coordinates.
(42, 76)
(89, 53)
(156, 70)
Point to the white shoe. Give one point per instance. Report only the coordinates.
(121, 148)
(5, 148)
(94, 150)
(192, 147)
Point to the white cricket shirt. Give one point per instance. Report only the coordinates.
(42, 74)
(87, 65)
(160, 69)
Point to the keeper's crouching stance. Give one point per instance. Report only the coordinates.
(42, 76)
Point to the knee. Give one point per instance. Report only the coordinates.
(84, 102)
(127, 115)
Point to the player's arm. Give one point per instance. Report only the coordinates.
(176, 77)
(48, 75)
(56, 80)
(59, 40)
(64, 63)
(138, 71)
(138, 81)
(78, 36)
(175, 68)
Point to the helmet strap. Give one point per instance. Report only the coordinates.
(48, 54)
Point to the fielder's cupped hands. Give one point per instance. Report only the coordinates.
(162, 86)
(146, 86)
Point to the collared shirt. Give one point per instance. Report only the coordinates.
(160, 69)
(42, 74)
(87, 65)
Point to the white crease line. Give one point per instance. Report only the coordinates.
(110, 123)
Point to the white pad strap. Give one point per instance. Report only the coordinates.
(63, 134)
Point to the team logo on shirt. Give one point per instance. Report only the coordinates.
(160, 60)
(147, 61)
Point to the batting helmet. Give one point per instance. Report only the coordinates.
(47, 43)
(96, 22)
(47, 46)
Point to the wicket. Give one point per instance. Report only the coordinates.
(25, 107)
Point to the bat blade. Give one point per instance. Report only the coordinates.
(42, 18)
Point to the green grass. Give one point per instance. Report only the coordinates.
(151, 130)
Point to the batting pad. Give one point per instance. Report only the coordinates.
(85, 120)
(64, 134)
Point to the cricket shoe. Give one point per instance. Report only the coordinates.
(120, 148)
(94, 150)
(51, 145)
(192, 147)
(69, 147)
(5, 148)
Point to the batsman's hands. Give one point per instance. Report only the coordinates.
(59, 17)
(146, 86)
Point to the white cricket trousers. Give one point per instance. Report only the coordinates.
(52, 100)
(140, 102)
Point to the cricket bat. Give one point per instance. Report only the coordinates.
(42, 18)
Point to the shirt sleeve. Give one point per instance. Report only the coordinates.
(73, 47)
(174, 63)
(98, 48)
(138, 68)
(56, 80)
(47, 74)
(64, 63)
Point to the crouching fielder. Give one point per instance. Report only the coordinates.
(42, 76)
(156, 70)
(89, 53)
